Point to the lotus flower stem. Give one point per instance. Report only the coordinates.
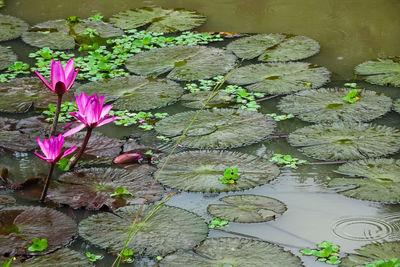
(83, 147)
(47, 183)
(54, 126)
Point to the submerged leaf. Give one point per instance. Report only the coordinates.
(199, 171)
(326, 105)
(7, 57)
(247, 208)
(384, 71)
(346, 140)
(397, 105)
(62, 257)
(199, 99)
(228, 251)
(167, 230)
(217, 128)
(11, 27)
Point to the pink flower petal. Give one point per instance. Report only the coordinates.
(103, 122)
(69, 71)
(75, 130)
(42, 157)
(69, 151)
(44, 80)
(73, 79)
(105, 110)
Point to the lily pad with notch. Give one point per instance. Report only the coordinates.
(371, 253)
(327, 105)
(159, 19)
(280, 78)
(136, 93)
(199, 171)
(61, 257)
(378, 180)
(247, 208)
(93, 188)
(199, 99)
(7, 57)
(167, 230)
(274, 47)
(11, 27)
(223, 128)
(19, 225)
(346, 140)
(382, 71)
(184, 63)
(228, 251)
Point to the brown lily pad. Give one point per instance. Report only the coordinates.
(62, 257)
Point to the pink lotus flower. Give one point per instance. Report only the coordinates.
(91, 113)
(61, 79)
(52, 149)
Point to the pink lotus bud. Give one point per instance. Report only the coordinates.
(127, 158)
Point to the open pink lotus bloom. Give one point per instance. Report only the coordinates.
(91, 113)
(61, 79)
(52, 149)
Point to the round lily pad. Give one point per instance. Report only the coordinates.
(346, 140)
(200, 171)
(184, 63)
(103, 31)
(397, 105)
(160, 19)
(274, 47)
(135, 93)
(247, 209)
(371, 253)
(379, 180)
(20, 94)
(15, 141)
(228, 251)
(217, 128)
(198, 100)
(327, 105)
(167, 230)
(62, 257)
(11, 27)
(92, 188)
(7, 57)
(20, 225)
(382, 71)
(280, 78)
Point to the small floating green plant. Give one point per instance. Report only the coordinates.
(65, 109)
(38, 244)
(218, 223)
(287, 160)
(280, 117)
(395, 262)
(327, 252)
(351, 97)
(18, 67)
(92, 257)
(231, 175)
(121, 192)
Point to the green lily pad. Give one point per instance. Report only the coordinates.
(19, 95)
(274, 47)
(228, 251)
(62, 257)
(167, 230)
(280, 78)
(91, 188)
(380, 180)
(382, 71)
(160, 19)
(346, 140)
(11, 27)
(372, 253)
(397, 105)
(104, 30)
(217, 128)
(199, 171)
(327, 105)
(184, 63)
(247, 208)
(53, 34)
(135, 93)
(21, 224)
(7, 57)
(198, 99)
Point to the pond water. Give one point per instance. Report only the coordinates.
(349, 32)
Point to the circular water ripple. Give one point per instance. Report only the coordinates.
(367, 228)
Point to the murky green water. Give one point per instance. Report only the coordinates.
(349, 32)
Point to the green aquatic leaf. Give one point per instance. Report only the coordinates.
(382, 71)
(397, 105)
(38, 244)
(11, 27)
(61, 257)
(7, 57)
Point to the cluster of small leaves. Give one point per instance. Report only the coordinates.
(43, 58)
(351, 96)
(145, 120)
(38, 244)
(65, 109)
(96, 16)
(92, 257)
(203, 85)
(192, 38)
(121, 192)
(18, 67)
(352, 85)
(286, 160)
(218, 223)
(381, 263)
(127, 256)
(231, 175)
(326, 252)
(280, 117)
(73, 20)
(64, 163)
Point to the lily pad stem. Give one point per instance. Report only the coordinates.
(54, 126)
(47, 183)
(83, 147)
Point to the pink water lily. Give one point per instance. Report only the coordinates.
(61, 79)
(52, 149)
